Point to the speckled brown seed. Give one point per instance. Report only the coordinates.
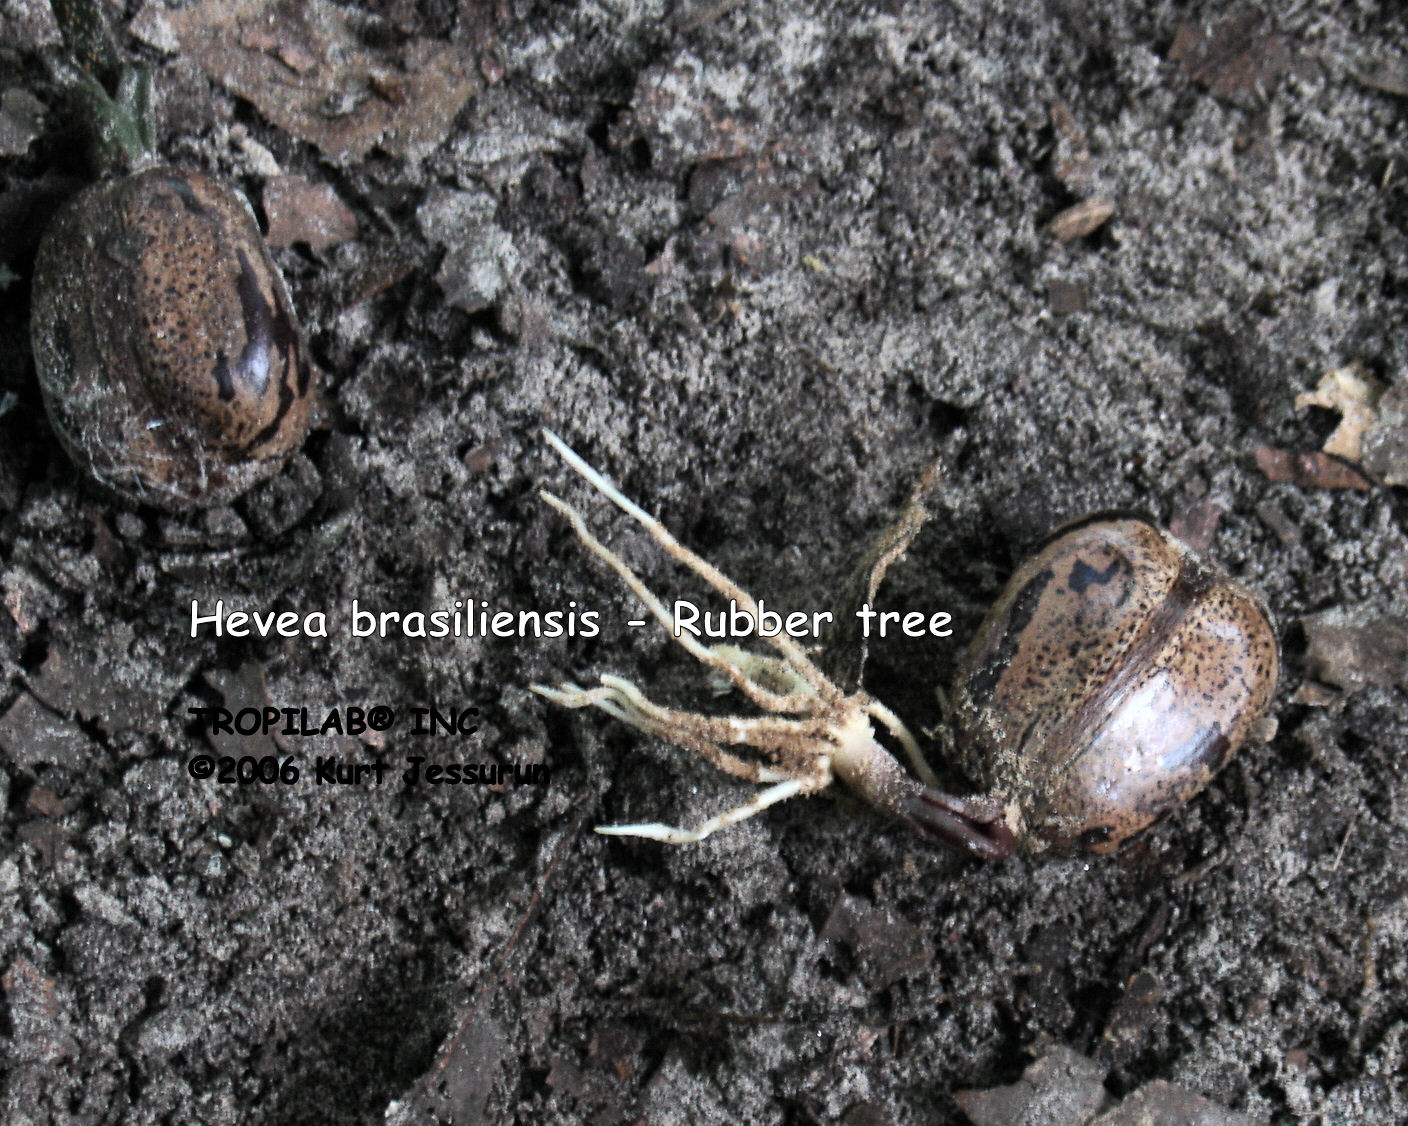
(167, 347)
(1113, 679)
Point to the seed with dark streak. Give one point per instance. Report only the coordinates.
(1112, 680)
(174, 370)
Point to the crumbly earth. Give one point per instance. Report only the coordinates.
(765, 262)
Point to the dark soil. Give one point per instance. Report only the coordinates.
(766, 262)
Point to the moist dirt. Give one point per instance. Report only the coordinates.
(762, 263)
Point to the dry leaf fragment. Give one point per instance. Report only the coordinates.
(1196, 524)
(386, 266)
(1374, 427)
(458, 1085)
(1238, 60)
(1354, 647)
(1313, 694)
(1064, 1088)
(1084, 218)
(1162, 1104)
(302, 211)
(117, 682)
(1061, 1087)
(31, 734)
(1388, 74)
(1353, 392)
(1309, 470)
(308, 72)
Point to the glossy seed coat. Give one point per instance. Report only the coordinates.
(167, 348)
(1114, 677)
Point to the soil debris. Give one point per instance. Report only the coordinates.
(307, 70)
(299, 210)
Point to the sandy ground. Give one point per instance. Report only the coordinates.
(761, 262)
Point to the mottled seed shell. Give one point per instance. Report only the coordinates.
(1113, 679)
(167, 347)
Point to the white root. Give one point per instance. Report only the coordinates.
(806, 723)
